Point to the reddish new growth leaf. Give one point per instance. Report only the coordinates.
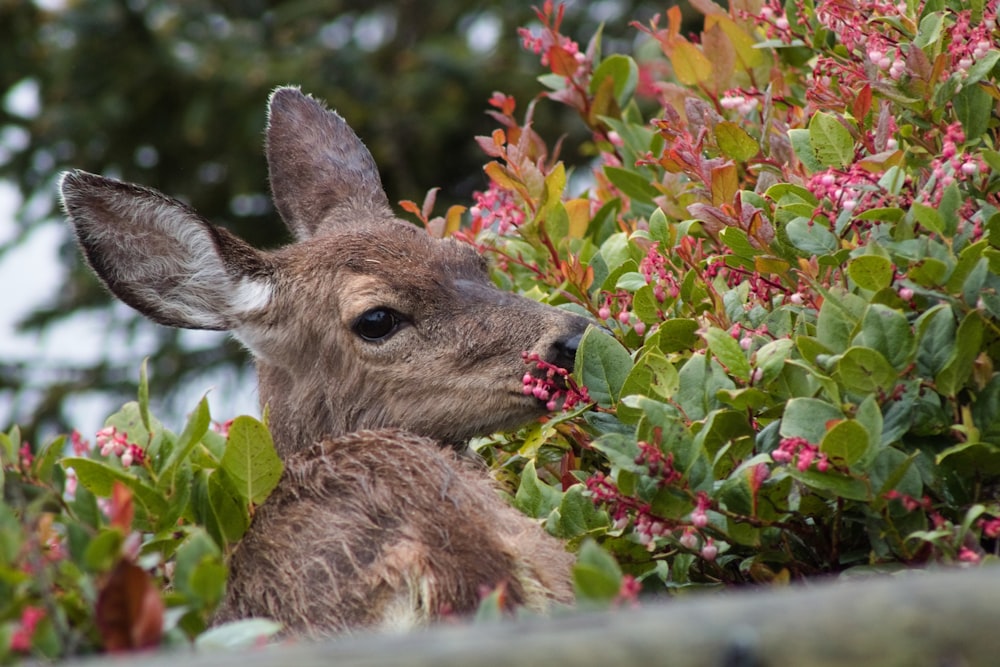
(129, 610)
(122, 510)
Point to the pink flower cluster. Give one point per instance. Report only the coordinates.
(647, 527)
(549, 43)
(660, 465)
(951, 166)
(497, 208)
(991, 527)
(555, 384)
(971, 42)
(112, 442)
(20, 640)
(27, 458)
(803, 452)
(654, 269)
(773, 20)
(744, 102)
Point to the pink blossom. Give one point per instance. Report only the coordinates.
(21, 638)
(497, 208)
(967, 555)
(709, 551)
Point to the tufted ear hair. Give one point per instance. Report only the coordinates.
(322, 176)
(160, 257)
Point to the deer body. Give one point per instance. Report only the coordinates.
(380, 351)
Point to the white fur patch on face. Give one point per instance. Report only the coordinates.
(251, 294)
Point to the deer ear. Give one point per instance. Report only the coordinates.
(158, 256)
(322, 176)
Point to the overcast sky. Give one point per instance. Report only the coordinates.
(29, 277)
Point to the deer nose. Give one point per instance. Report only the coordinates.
(565, 351)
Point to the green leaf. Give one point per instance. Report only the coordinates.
(104, 550)
(871, 272)
(845, 443)
(577, 515)
(250, 459)
(734, 141)
(929, 31)
(534, 497)
(196, 427)
(99, 478)
(834, 326)
(46, 459)
(863, 370)
(701, 380)
(887, 331)
(737, 241)
(808, 418)
(833, 482)
(979, 71)
(143, 396)
(596, 575)
(674, 335)
(555, 183)
(936, 336)
(633, 185)
(228, 506)
(728, 352)
(811, 237)
(602, 365)
(653, 376)
(799, 138)
(831, 142)
(928, 217)
(968, 344)
(971, 459)
(771, 359)
(623, 71)
(199, 573)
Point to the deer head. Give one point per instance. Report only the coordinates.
(365, 321)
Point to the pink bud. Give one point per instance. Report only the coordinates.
(689, 540)
(709, 551)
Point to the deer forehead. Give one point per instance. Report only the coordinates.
(395, 265)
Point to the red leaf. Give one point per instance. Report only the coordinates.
(561, 61)
(129, 610)
(122, 510)
(410, 207)
(862, 104)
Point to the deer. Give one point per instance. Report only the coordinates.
(380, 352)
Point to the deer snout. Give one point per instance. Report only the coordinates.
(564, 351)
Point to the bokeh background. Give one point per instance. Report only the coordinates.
(171, 94)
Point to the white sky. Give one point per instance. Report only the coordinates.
(29, 277)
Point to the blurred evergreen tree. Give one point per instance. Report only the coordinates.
(171, 94)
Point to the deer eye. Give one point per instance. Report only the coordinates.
(377, 324)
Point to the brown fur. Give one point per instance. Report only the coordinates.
(379, 520)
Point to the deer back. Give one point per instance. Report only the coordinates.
(392, 531)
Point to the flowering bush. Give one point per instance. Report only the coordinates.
(789, 226)
(791, 229)
(120, 545)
